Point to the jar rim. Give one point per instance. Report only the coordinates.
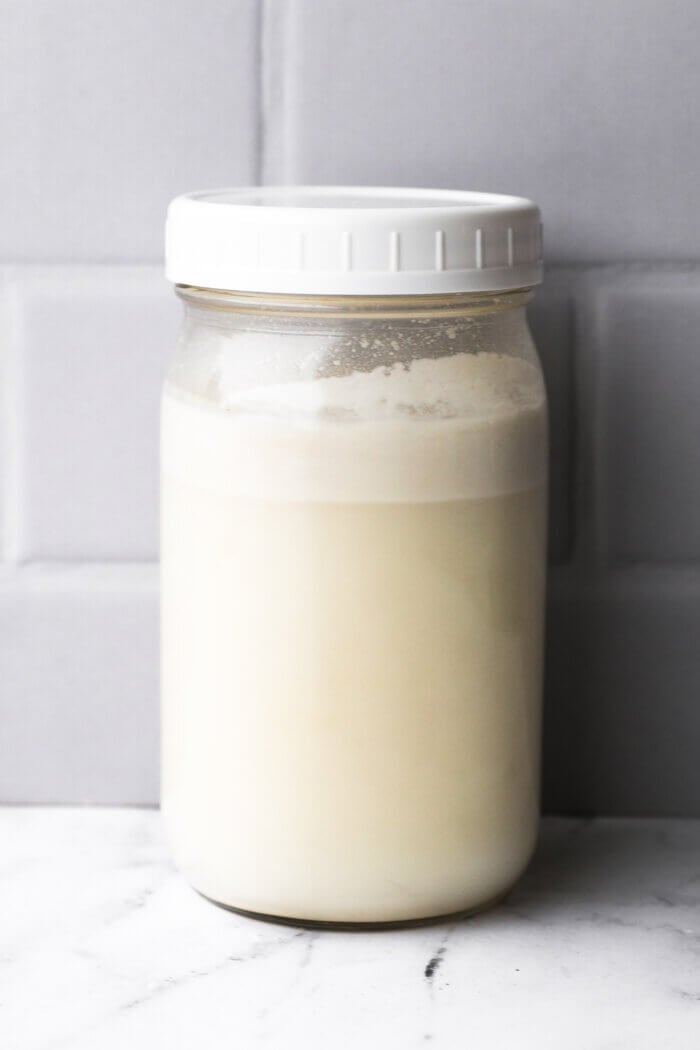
(440, 305)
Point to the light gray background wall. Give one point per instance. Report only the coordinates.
(108, 108)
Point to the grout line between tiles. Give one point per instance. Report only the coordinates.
(260, 18)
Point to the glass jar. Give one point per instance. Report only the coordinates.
(353, 555)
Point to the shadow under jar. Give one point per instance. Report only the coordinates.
(354, 448)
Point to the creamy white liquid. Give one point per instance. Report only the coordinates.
(352, 574)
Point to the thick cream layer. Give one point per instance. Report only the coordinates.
(465, 426)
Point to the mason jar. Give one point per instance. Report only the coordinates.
(353, 551)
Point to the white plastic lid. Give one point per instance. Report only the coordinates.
(336, 240)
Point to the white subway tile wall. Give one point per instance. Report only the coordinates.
(623, 680)
(645, 334)
(587, 107)
(110, 109)
(79, 673)
(89, 350)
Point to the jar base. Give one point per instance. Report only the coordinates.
(363, 927)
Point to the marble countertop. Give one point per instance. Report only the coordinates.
(103, 946)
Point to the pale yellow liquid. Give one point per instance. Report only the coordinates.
(353, 734)
(351, 688)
